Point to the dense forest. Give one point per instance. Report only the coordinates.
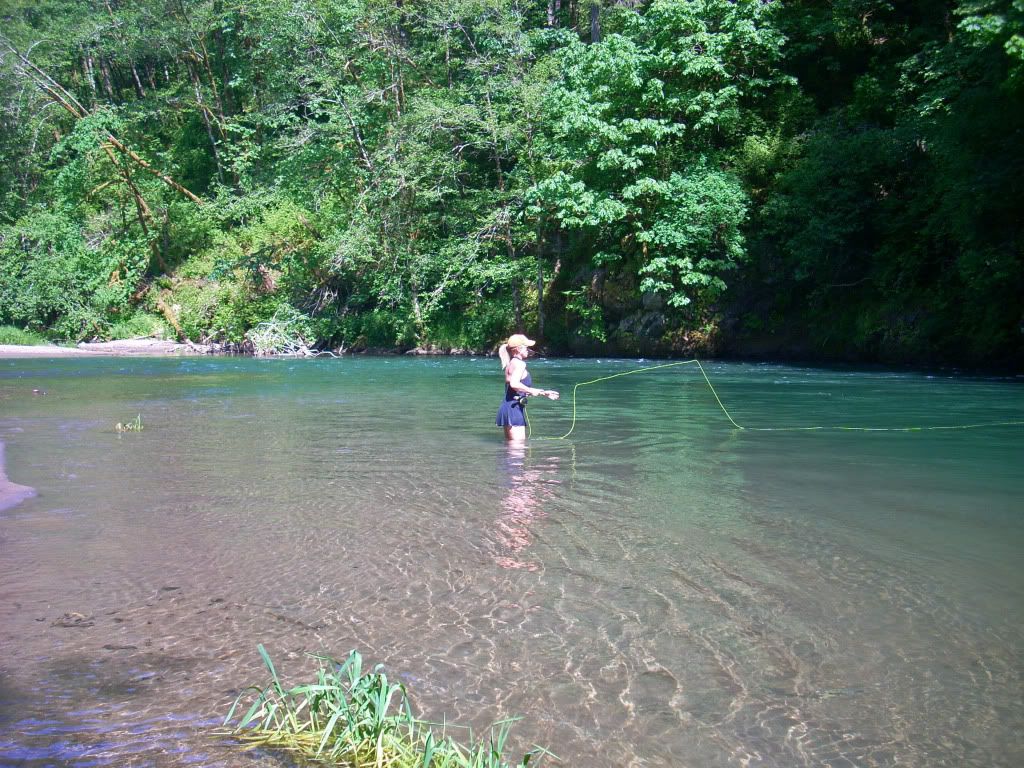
(828, 180)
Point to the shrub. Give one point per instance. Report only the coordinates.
(9, 334)
(139, 325)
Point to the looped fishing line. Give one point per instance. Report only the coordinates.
(757, 429)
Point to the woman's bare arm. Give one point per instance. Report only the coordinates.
(514, 377)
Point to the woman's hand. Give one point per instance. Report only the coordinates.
(550, 394)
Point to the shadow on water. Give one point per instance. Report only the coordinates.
(107, 710)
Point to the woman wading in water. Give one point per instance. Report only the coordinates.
(512, 413)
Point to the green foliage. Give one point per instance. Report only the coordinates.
(471, 328)
(49, 278)
(589, 318)
(351, 716)
(377, 330)
(9, 334)
(139, 325)
(194, 305)
(895, 219)
(402, 177)
(696, 236)
(642, 124)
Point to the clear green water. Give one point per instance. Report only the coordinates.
(662, 590)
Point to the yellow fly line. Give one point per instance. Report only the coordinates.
(732, 421)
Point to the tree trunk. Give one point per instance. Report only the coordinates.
(138, 82)
(127, 51)
(510, 250)
(90, 75)
(417, 312)
(517, 305)
(202, 56)
(213, 86)
(170, 317)
(142, 209)
(222, 60)
(205, 112)
(165, 240)
(540, 288)
(448, 58)
(595, 22)
(105, 71)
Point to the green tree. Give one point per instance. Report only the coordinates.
(642, 128)
(897, 220)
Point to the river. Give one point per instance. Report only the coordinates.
(659, 589)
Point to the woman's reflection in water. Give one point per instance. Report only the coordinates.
(530, 482)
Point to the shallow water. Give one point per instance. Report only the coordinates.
(659, 590)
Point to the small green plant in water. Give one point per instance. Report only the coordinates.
(357, 719)
(135, 425)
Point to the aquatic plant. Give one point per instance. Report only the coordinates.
(356, 718)
(135, 425)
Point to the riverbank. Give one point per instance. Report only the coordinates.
(120, 348)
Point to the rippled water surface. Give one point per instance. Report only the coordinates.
(660, 589)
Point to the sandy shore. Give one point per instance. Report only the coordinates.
(123, 348)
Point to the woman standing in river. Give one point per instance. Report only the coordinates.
(518, 386)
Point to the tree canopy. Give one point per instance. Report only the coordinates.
(833, 180)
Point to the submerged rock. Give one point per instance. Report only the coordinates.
(73, 619)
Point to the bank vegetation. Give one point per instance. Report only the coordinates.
(826, 180)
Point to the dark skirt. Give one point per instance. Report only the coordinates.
(511, 414)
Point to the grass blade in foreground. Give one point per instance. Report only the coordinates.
(359, 719)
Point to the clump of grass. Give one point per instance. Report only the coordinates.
(135, 425)
(357, 719)
(141, 325)
(9, 334)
